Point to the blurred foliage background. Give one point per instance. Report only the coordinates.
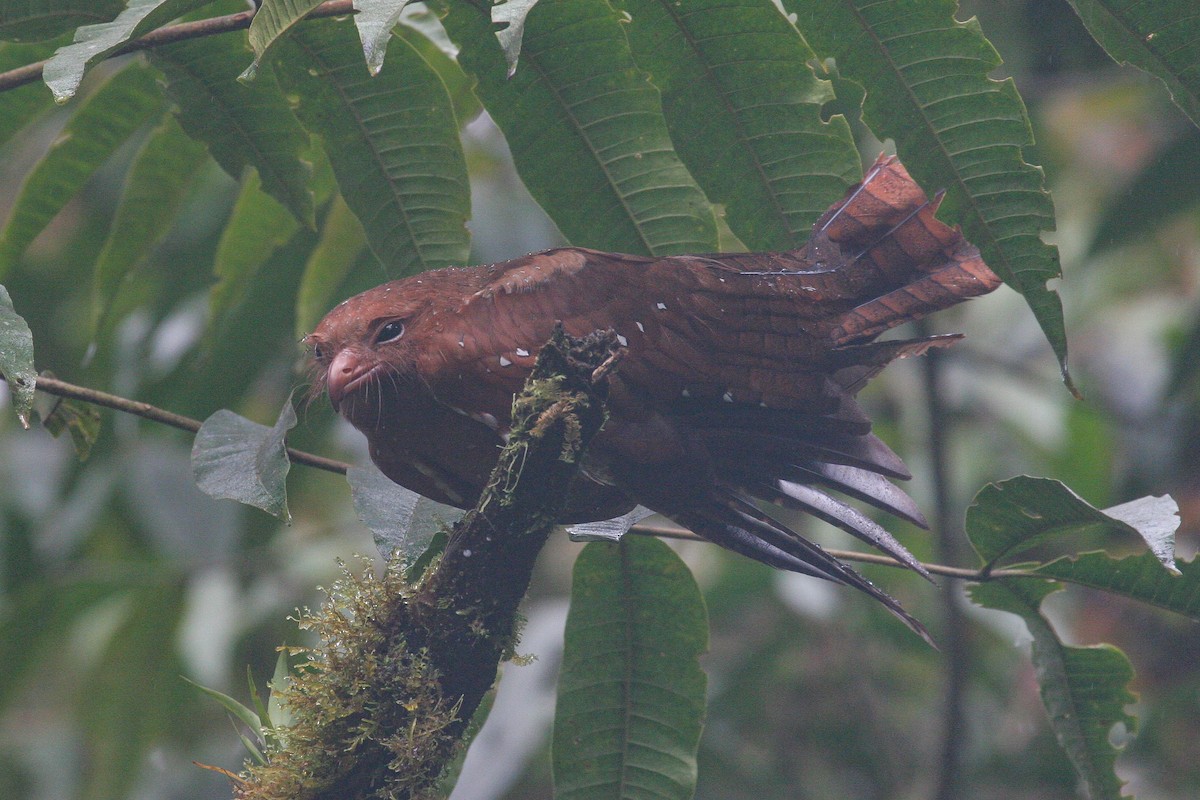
(118, 576)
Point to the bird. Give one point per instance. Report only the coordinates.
(735, 391)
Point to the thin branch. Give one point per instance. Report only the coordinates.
(175, 33)
(60, 388)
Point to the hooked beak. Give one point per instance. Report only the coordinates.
(346, 370)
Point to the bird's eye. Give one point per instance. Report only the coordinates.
(390, 332)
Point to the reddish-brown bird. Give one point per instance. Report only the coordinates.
(737, 383)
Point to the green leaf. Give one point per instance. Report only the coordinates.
(1013, 515)
(374, 21)
(241, 124)
(16, 358)
(393, 143)
(1085, 689)
(1141, 577)
(274, 20)
(586, 129)
(278, 714)
(65, 69)
(744, 112)
(246, 715)
(257, 227)
(631, 694)
(101, 123)
(342, 240)
(402, 521)
(47, 19)
(1168, 185)
(460, 87)
(1162, 38)
(511, 14)
(234, 458)
(80, 420)
(21, 105)
(155, 190)
(927, 87)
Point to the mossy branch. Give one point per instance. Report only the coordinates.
(382, 705)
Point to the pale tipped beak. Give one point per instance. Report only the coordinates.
(345, 369)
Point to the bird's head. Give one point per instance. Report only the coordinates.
(364, 353)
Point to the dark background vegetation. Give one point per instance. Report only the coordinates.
(815, 692)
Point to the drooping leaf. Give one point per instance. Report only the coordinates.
(342, 240)
(744, 112)
(102, 122)
(240, 712)
(274, 20)
(241, 124)
(47, 19)
(257, 227)
(586, 129)
(608, 530)
(1141, 577)
(1168, 185)
(402, 521)
(65, 69)
(80, 420)
(393, 143)
(631, 694)
(1085, 689)
(927, 88)
(511, 14)
(16, 357)
(1013, 515)
(1162, 38)
(461, 88)
(375, 20)
(23, 104)
(234, 458)
(157, 185)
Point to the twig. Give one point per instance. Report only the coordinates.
(60, 388)
(175, 33)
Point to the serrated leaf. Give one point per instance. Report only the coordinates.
(155, 190)
(234, 458)
(586, 129)
(101, 123)
(393, 143)
(274, 20)
(1141, 577)
(1013, 515)
(65, 69)
(402, 521)
(1085, 689)
(631, 694)
(342, 240)
(16, 358)
(1162, 38)
(744, 112)
(608, 530)
(48, 19)
(1168, 185)
(927, 87)
(80, 420)
(257, 227)
(21, 105)
(242, 125)
(374, 21)
(511, 15)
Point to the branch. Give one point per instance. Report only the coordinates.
(60, 388)
(175, 33)
(382, 705)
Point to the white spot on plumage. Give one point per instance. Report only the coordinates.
(661, 306)
(522, 352)
(504, 362)
(685, 393)
(728, 396)
(486, 419)
(641, 327)
(624, 342)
